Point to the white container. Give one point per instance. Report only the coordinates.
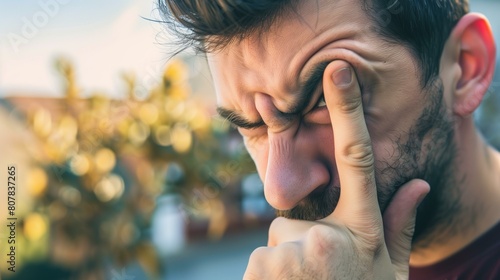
(169, 225)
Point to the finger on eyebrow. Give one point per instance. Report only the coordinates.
(313, 78)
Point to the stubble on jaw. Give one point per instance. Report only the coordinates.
(427, 152)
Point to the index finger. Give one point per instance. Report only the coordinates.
(353, 148)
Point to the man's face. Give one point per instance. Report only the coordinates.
(271, 85)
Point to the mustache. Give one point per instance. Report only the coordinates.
(319, 205)
(315, 206)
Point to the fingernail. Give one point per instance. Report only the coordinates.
(342, 77)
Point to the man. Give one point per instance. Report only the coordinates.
(356, 113)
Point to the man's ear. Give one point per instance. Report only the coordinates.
(474, 51)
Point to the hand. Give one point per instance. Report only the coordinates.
(349, 243)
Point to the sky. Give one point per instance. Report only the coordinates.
(102, 38)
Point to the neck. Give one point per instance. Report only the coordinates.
(478, 183)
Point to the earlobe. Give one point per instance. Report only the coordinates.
(476, 60)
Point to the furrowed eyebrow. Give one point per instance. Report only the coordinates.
(306, 92)
(312, 80)
(237, 119)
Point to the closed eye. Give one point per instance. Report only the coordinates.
(321, 102)
(319, 113)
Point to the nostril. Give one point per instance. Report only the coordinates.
(287, 189)
(319, 190)
(277, 121)
(291, 174)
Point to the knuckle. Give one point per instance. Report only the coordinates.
(288, 250)
(377, 242)
(373, 239)
(350, 104)
(359, 155)
(287, 255)
(251, 275)
(277, 222)
(255, 264)
(258, 254)
(323, 241)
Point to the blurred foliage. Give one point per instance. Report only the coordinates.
(104, 162)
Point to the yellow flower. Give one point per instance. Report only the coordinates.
(37, 181)
(35, 226)
(176, 72)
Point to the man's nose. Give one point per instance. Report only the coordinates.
(293, 167)
(292, 172)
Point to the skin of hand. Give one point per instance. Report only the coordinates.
(355, 241)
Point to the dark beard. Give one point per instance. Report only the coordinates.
(315, 206)
(428, 153)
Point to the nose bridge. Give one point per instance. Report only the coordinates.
(275, 120)
(282, 149)
(294, 167)
(291, 172)
(286, 173)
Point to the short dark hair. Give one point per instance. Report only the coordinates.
(423, 26)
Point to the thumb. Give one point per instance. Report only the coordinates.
(399, 223)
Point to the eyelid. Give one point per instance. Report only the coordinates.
(321, 102)
(248, 126)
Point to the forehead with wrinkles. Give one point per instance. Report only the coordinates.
(273, 61)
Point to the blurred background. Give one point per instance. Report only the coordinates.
(123, 169)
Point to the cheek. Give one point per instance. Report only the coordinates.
(385, 152)
(392, 115)
(324, 141)
(390, 135)
(259, 151)
(386, 136)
